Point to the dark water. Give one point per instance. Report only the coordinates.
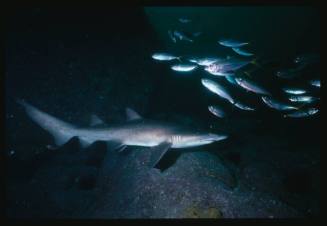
(74, 62)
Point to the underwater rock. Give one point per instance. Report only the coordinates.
(205, 166)
(135, 191)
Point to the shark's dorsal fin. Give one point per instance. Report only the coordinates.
(132, 115)
(95, 120)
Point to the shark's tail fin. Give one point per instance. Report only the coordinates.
(60, 130)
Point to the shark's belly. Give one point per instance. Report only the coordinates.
(133, 137)
(143, 139)
(141, 143)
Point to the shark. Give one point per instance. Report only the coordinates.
(135, 131)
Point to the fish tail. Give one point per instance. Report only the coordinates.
(234, 105)
(60, 130)
(179, 59)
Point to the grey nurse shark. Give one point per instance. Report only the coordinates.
(136, 131)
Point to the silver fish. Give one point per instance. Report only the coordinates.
(251, 86)
(136, 131)
(288, 73)
(217, 111)
(242, 52)
(184, 20)
(204, 61)
(306, 99)
(225, 67)
(315, 82)
(182, 36)
(183, 67)
(294, 91)
(302, 113)
(217, 72)
(306, 59)
(171, 36)
(243, 106)
(232, 43)
(277, 104)
(217, 89)
(164, 56)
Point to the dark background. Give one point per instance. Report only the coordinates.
(71, 62)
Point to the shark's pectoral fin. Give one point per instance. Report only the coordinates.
(158, 152)
(132, 115)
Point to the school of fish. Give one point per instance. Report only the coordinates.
(296, 101)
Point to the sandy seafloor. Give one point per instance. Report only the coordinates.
(74, 63)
